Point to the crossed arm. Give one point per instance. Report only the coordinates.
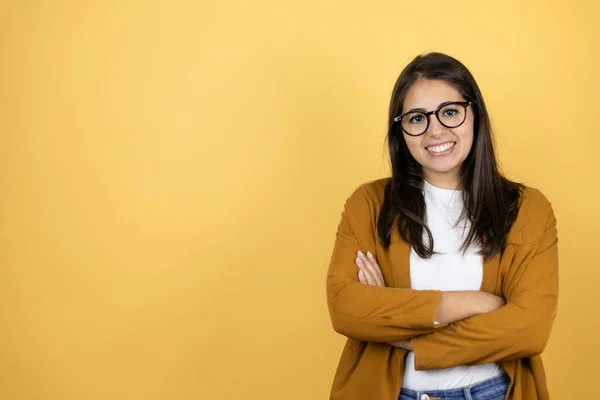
(453, 306)
(475, 327)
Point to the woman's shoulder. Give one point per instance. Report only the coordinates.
(371, 192)
(366, 199)
(534, 215)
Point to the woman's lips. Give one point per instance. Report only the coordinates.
(441, 149)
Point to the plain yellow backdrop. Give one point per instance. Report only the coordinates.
(172, 174)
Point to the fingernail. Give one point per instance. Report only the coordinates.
(358, 260)
(369, 254)
(360, 253)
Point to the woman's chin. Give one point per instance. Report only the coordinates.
(441, 168)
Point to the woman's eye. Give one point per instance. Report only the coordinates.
(417, 119)
(450, 112)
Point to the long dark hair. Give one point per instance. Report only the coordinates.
(491, 201)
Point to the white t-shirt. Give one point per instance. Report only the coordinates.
(449, 271)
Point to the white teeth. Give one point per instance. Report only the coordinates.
(440, 148)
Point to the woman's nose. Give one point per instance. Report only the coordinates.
(435, 127)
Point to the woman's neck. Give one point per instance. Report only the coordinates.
(443, 181)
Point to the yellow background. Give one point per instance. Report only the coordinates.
(172, 174)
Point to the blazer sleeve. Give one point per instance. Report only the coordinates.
(519, 329)
(365, 312)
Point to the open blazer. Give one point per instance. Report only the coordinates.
(525, 274)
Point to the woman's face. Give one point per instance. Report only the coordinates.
(440, 150)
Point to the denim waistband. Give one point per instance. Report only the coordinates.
(460, 393)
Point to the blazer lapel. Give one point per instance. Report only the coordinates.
(399, 253)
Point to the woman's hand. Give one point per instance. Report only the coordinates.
(368, 269)
(370, 273)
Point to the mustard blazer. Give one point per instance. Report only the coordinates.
(525, 274)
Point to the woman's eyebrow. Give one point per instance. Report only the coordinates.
(417, 109)
(438, 107)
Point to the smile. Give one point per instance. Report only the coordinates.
(441, 149)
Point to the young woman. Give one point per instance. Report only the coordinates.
(444, 277)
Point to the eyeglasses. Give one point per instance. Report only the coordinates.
(451, 115)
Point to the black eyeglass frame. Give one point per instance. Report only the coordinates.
(464, 104)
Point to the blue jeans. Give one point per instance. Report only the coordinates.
(490, 389)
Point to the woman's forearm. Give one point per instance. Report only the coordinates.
(459, 305)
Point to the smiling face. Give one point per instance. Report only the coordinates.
(440, 150)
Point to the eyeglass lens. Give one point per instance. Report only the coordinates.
(451, 116)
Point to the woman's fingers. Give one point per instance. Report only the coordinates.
(364, 270)
(366, 274)
(367, 278)
(370, 270)
(361, 277)
(375, 267)
(371, 264)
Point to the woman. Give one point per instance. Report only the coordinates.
(444, 277)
